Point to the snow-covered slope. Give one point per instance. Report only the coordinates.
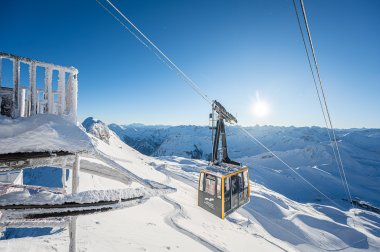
(270, 222)
(306, 149)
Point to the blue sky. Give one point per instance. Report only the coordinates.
(231, 49)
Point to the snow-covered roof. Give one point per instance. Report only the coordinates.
(224, 170)
(44, 132)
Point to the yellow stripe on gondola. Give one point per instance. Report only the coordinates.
(234, 173)
(199, 184)
(226, 175)
(222, 197)
(249, 187)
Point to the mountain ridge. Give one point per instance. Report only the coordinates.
(306, 149)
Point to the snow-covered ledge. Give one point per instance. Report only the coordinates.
(26, 99)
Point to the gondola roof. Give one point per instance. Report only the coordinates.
(223, 170)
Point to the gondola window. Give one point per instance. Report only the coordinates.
(219, 188)
(210, 185)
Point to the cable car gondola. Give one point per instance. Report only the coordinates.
(224, 185)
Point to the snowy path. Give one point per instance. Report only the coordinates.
(178, 213)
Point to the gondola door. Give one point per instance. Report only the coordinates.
(234, 192)
(241, 188)
(227, 194)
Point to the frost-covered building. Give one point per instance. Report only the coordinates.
(23, 94)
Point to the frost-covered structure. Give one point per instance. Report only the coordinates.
(26, 99)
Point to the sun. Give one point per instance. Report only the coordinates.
(260, 108)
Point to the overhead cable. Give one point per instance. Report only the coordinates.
(193, 85)
(320, 102)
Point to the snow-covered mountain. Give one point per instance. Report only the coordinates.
(97, 128)
(270, 222)
(306, 149)
(181, 140)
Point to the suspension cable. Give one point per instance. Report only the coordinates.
(165, 59)
(324, 99)
(194, 86)
(319, 99)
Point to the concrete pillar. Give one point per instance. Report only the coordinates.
(32, 88)
(49, 91)
(62, 92)
(16, 88)
(75, 174)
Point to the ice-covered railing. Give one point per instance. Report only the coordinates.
(27, 100)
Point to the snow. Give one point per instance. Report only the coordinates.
(49, 198)
(42, 132)
(10, 178)
(270, 222)
(97, 128)
(301, 147)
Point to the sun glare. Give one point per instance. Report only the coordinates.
(260, 108)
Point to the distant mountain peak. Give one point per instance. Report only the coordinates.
(97, 128)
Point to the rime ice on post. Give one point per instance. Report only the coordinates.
(16, 88)
(71, 96)
(62, 92)
(49, 100)
(33, 90)
(25, 99)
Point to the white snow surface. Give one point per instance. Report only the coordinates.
(270, 222)
(43, 132)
